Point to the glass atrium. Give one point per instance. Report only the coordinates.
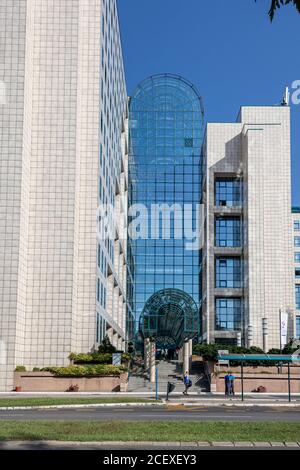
(166, 126)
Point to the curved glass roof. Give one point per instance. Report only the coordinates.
(170, 316)
(166, 92)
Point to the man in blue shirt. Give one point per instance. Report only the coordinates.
(227, 384)
(186, 381)
(231, 378)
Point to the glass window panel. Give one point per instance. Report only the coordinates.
(228, 314)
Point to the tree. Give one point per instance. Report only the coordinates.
(106, 346)
(276, 4)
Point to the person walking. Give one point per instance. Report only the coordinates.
(186, 381)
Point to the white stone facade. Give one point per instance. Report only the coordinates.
(296, 243)
(256, 152)
(65, 100)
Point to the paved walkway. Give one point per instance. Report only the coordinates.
(162, 394)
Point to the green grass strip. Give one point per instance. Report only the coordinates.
(5, 402)
(149, 431)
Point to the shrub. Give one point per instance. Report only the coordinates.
(96, 358)
(36, 369)
(126, 357)
(86, 370)
(20, 369)
(80, 356)
(73, 388)
(106, 346)
(210, 352)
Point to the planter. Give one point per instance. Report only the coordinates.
(47, 382)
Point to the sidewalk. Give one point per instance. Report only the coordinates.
(175, 399)
(183, 403)
(149, 394)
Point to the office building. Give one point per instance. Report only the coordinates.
(63, 146)
(247, 259)
(296, 241)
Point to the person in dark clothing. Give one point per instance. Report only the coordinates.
(227, 384)
(186, 381)
(231, 384)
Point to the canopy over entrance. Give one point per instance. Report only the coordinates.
(170, 316)
(259, 357)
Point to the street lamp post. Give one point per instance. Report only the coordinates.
(265, 333)
(250, 335)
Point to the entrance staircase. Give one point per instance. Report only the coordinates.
(169, 371)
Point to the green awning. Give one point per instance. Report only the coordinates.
(259, 357)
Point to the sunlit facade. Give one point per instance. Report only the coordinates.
(63, 141)
(247, 262)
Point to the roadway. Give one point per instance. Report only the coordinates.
(167, 413)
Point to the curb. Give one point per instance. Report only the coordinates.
(85, 405)
(151, 405)
(237, 405)
(145, 444)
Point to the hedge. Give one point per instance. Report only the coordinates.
(210, 352)
(86, 371)
(96, 358)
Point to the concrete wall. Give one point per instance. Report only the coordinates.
(46, 382)
(254, 377)
(272, 382)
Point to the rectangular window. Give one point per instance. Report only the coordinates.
(228, 314)
(99, 255)
(298, 327)
(228, 273)
(98, 290)
(297, 225)
(297, 257)
(228, 232)
(228, 192)
(297, 241)
(297, 291)
(97, 329)
(297, 273)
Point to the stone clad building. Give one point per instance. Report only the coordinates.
(247, 260)
(66, 139)
(63, 145)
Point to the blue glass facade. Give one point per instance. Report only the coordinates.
(228, 192)
(228, 272)
(228, 232)
(228, 314)
(297, 294)
(298, 327)
(166, 123)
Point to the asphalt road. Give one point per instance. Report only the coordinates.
(196, 413)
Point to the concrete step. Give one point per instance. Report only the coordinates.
(168, 371)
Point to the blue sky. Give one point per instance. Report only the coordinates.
(227, 48)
